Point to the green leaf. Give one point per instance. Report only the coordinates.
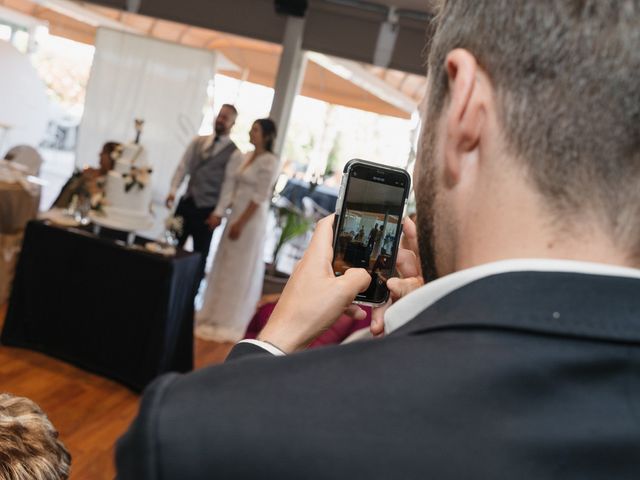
(295, 225)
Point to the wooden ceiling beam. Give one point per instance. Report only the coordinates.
(152, 27)
(419, 90)
(403, 82)
(184, 31)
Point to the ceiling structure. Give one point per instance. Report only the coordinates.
(248, 33)
(344, 28)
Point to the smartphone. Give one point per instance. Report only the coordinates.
(368, 223)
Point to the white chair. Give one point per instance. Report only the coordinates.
(26, 156)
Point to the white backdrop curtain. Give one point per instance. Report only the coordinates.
(138, 77)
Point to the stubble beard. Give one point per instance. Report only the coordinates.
(426, 198)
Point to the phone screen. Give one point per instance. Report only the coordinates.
(370, 224)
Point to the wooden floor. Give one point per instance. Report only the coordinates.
(89, 411)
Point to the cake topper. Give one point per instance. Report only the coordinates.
(139, 123)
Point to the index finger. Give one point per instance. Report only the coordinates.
(407, 263)
(409, 239)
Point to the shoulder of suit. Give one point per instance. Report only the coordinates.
(200, 140)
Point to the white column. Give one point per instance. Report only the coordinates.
(386, 42)
(31, 48)
(289, 78)
(133, 5)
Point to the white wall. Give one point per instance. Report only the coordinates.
(23, 100)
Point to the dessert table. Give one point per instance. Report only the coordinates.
(102, 305)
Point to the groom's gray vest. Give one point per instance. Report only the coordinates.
(207, 173)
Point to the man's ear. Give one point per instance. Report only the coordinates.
(465, 112)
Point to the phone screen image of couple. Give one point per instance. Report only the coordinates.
(370, 224)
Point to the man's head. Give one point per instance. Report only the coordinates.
(29, 445)
(225, 120)
(531, 143)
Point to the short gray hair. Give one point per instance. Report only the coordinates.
(567, 78)
(29, 444)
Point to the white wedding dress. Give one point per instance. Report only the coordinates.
(235, 281)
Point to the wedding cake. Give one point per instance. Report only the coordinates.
(127, 191)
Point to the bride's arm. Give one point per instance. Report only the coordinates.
(264, 185)
(226, 193)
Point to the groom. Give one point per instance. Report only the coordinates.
(204, 161)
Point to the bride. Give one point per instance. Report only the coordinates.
(235, 281)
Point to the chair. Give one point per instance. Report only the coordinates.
(19, 200)
(313, 210)
(26, 156)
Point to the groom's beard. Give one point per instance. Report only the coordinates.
(426, 207)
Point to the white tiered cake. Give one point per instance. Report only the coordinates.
(128, 189)
(127, 192)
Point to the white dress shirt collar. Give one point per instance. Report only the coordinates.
(223, 140)
(419, 300)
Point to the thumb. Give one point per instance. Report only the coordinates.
(377, 319)
(354, 281)
(400, 287)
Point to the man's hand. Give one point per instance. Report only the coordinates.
(408, 266)
(213, 221)
(235, 230)
(169, 201)
(314, 298)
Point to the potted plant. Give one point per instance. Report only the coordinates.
(292, 223)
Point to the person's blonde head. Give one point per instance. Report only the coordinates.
(29, 444)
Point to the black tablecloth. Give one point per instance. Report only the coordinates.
(117, 311)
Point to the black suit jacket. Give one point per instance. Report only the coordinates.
(516, 376)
